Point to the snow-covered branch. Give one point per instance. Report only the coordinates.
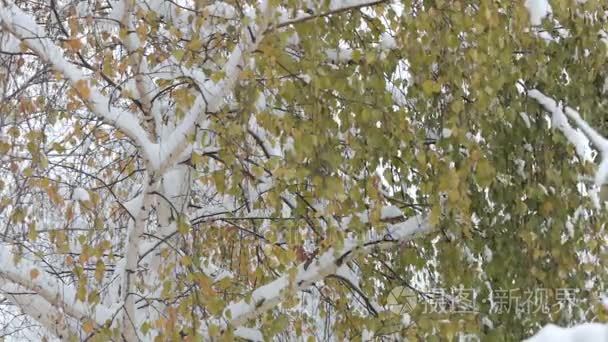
(552, 106)
(46, 314)
(336, 7)
(327, 264)
(140, 68)
(25, 29)
(212, 93)
(221, 9)
(30, 276)
(135, 232)
(580, 140)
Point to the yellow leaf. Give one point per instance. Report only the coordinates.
(142, 31)
(546, 208)
(73, 44)
(195, 44)
(100, 268)
(246, 74)
(429, 87)
(23, 47)
(32, 234)
(4, 147)
(88, 327)
(81, 293)
(186, 261)
(83, 89)
(435, 215)
(196, 159)
(217, 76)
(34, 273)
(73, 24)
(14, 131)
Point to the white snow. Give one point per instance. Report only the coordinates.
(387, 41)
(406, 319)
(260, 103)
(390, 212)
(134, 205)
(588, 332)
(538, 9)
(80, 194)
(487, 254)
(487, 322)
(345, 272)
(249, 334)
(118, 10)
(521, 164)
(339, 55)
(269, 144)
(446, 132)
(337, 4)
(221, 9)
(8, 43)
(524, 116)
(83, 9)
(367, 335)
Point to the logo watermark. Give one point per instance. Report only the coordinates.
(520, 301)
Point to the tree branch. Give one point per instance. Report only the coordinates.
(140, 68)
(213, 93)
(269, 295)
(39, 309)
(28, 275)
(24, 28)
(347, 6)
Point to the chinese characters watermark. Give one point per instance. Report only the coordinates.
(519, 301)
(462, 300)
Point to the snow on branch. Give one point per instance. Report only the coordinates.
(46, 314)
(336, 6)
(249, 334)
(538, 10)
(139, 64)
(212, 93)
(579, 140)
(134, 233)
(269, 295)
(560, 121)
(221, 9)
(23, 27)
(29, 276)
(551, 105)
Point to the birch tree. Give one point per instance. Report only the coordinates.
(299, 170)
